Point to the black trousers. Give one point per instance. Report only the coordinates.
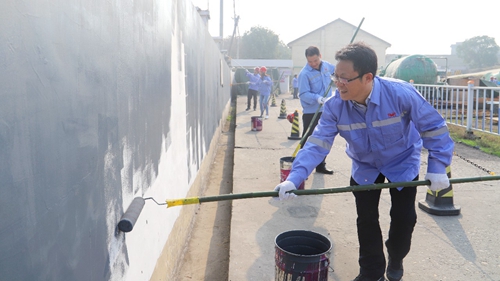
(306, 120)
(403, 219)
(252, 93)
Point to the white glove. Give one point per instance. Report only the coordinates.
(283, 188)
(321, 100)
(438, 181)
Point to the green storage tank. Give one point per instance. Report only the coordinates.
(420, 69)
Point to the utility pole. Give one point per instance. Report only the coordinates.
(236, 19)
(221, 27)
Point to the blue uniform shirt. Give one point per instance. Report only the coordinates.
(253, 78)
(295, 82)
(313, 84)
(386, 139)
(265, 85)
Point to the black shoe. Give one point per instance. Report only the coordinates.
(323, 170)
(248, 108)
(361, 277)
(394, 270)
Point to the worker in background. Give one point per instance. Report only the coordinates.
(385, 123)
(295, 85)
(253, 88)
(314, 80)
(265, 85)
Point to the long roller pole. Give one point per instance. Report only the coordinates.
(198, 200)
(128, 219)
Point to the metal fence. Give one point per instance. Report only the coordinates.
(476, 108)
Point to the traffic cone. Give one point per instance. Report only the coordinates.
(440, 202)
(273, 101)
(295, 127)
(282, 110)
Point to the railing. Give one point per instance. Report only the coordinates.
(476, 108)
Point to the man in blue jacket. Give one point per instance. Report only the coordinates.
(253, 88)
(385, 122)
(295, 85)
(314, 81)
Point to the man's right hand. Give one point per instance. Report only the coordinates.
(438, 181)
(321, 100)
(283, 189)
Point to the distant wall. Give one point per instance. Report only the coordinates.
(101, 101)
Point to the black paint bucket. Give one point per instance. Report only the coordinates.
(301, 255)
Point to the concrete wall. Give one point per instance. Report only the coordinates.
(329, 39)
(102, 101)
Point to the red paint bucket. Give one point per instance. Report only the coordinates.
(301, 255)
(285, 168)
(256, 123)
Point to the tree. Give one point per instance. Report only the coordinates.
(262, 43)
(479, 51)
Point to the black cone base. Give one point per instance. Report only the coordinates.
(448, 210)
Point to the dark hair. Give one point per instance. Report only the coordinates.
(311, 51)
(363, 57)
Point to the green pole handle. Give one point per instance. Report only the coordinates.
(197, 200)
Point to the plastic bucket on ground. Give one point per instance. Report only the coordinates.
(256, 123)
(301, 255)
(285, 167)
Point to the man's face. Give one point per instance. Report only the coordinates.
(256, 71)
(358, 89)
(314, 61)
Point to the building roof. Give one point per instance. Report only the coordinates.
(341, 20)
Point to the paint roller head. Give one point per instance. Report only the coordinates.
(129, 218)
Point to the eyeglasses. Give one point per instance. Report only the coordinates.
(344, 81)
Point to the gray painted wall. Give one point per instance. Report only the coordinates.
(100, 101)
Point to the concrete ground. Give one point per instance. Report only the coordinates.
(463, 247)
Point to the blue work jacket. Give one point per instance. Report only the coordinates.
(265, 85)
(313, 84)
(253, 78)
(387, 139)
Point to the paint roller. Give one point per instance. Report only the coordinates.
(128, 219)
(130, 216)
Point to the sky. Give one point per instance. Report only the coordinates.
(427, 27)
